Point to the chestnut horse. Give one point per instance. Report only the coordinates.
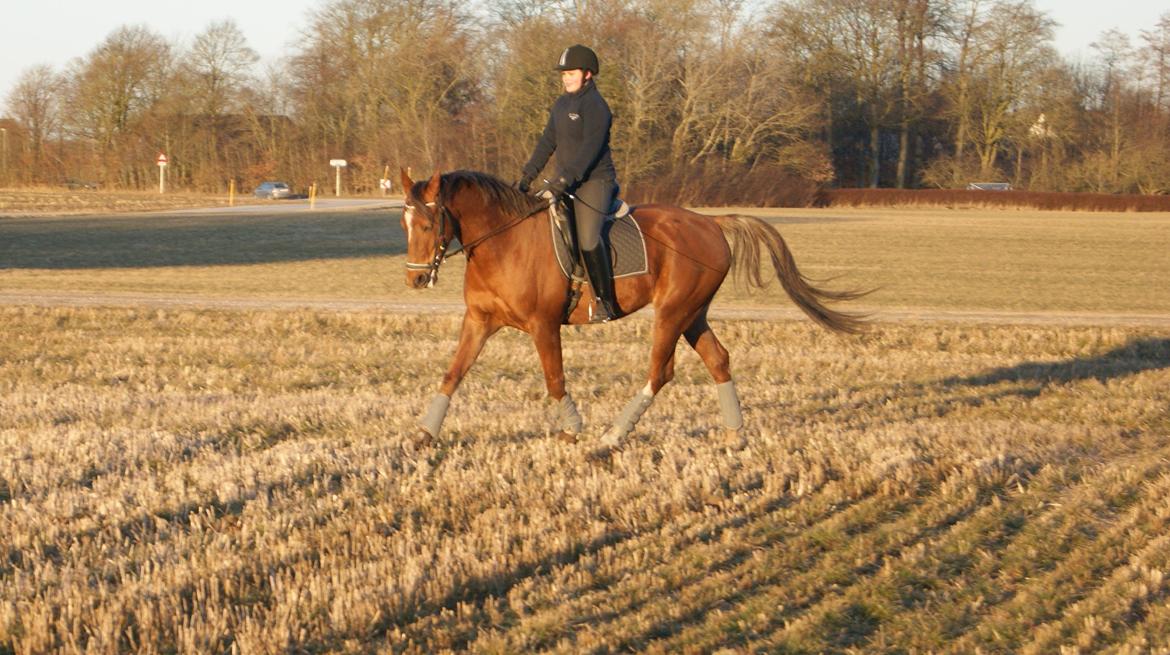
(512, 279)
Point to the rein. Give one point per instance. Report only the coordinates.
(441, 255)
(499, 230)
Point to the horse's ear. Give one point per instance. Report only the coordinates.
(432, 190)
(407, 183)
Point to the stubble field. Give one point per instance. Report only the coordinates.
(211, 480)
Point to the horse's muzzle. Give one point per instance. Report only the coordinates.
(417, 280)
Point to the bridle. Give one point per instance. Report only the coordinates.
(440, 254)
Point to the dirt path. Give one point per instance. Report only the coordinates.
(75, 299)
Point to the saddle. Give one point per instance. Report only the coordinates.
(620, 233)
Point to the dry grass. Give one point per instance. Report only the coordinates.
(201, 481)
(16, 202)
(207, 481)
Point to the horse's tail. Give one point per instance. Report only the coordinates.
(745, 234)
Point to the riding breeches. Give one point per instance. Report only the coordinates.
(594, 199)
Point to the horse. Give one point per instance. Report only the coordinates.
(512, 279)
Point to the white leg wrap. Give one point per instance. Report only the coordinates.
(569, 419)
(729, 403)
(629, 418)
(433, 420)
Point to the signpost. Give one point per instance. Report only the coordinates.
(4, 136)
(337, 165)
(162, 167)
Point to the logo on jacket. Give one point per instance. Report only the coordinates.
(574, 117)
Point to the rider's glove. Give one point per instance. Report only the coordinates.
(552, 189)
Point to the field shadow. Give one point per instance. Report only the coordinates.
(1137, 356)
(147, 241)
(941, 397)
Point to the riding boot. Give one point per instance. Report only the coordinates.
(601, 279)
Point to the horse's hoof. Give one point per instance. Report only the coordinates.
(734, 440)
(567, 437)
(602, 455)
(613, 438)
(420, 439)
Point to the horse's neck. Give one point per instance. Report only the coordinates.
(479, 222)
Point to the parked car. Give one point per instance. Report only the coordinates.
(74, 184)
(272, 190)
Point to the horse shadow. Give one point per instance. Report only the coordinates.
(1026, 380)
(1138, 356)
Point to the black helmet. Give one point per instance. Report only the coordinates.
(578, 56)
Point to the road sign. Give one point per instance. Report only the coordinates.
(337, 165)
(162, 167)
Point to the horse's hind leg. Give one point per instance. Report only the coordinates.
(702, 338)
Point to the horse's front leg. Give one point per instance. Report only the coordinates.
(547, 337)
(472, 336)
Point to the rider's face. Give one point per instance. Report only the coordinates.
(573, 79)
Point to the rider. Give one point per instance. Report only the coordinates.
(578, 130)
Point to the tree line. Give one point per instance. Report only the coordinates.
(713, 100)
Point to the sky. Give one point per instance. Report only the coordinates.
(51, 32)
(56, 32)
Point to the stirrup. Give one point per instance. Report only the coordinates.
(601, 317)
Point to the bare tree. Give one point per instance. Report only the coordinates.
(890, 92)
(215, 72)
(220, 63)
(965, 32)
(35, 104)
(812, 35)
(382, 80)
(1114, 51)
(110, 93)
(1156, 54)
(917, 24)
(1015, 38)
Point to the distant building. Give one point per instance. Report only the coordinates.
(1040, 129)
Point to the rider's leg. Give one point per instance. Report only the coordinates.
(590, 208)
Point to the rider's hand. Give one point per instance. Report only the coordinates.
(551, 189)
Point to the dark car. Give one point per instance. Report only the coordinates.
(74, 184)
(272, 190)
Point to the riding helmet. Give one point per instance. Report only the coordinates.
(578, 56)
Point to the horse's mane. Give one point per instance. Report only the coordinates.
(494, 191)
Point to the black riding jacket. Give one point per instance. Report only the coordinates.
(578, 130)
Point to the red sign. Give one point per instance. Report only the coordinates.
(162, 159)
